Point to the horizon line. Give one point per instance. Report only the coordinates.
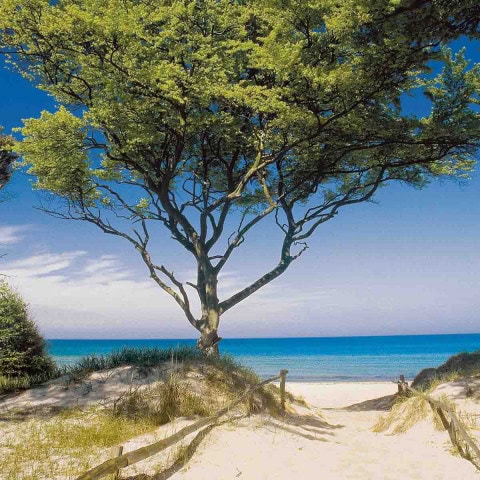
(279, 338)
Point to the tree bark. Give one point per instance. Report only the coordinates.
(208, 342)
(207, 284)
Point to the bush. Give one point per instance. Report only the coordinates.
(22, 348)
(461, 365)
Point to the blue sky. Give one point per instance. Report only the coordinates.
(408, 264)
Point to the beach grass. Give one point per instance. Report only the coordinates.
(405, 413)
(408, 411)
(66, 445)
(144, 358)
(162, 402)
(74, 440)
(10, 384)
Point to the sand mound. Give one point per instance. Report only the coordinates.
(96, 388)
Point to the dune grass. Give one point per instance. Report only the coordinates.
(408, 411)
(75, 440)
(405, 413)
(160, 403)
(142, 358)
(66, 445)
(10, 384)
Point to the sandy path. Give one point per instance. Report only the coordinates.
(339, 446)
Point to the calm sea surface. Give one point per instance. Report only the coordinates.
(309, 359)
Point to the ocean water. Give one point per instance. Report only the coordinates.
(309, 359)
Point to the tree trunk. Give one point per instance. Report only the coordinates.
(209, 339)
(208, 342)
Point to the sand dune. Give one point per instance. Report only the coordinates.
(340, 445)
(323, 440)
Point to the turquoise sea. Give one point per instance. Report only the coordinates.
(309, 359)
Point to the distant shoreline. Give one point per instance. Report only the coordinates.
(308, 359)
(192, 339)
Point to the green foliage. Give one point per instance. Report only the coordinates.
(59, 144)
(460, 365)
(181, 112)
(23, 355)
(10, 384)
(7, 157)
(309, 80)
(145, 358)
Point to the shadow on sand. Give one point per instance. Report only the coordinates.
(381, 404)
(310, 427)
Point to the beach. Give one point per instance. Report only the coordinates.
(336, 445)
(324, 436)
(330, 429)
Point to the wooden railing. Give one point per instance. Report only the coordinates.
(120, 460)
(457, 432)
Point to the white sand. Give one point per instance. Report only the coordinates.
(322, 441)
(338, 446)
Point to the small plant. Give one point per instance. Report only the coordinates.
(160, 403)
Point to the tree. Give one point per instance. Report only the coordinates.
(197, 114)
(22, 348)
(7, 157)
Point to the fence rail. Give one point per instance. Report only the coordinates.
(114, 465)
(459, 436)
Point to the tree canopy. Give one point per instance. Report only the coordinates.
(188, 113)
(7, 157)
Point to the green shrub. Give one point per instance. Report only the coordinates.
(22, 348)
(460, 365)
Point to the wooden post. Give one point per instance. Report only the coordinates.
(402, 387)
(117, 451)
(250, 404)
(283, 374)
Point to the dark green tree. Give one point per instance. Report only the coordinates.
(22, 348)
(200, 114)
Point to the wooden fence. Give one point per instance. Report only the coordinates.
(459, 436)
(122, 460)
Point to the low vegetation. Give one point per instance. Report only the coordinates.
(160, 403)
(461, 365)
(405, 413)
(141, 358)
(145, 358)
(192, 385)
(10, 384)
(64, 446)
(408, 411)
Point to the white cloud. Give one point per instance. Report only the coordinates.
(71, 292)
(42, 264)
(74, 294)
(11, 234)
